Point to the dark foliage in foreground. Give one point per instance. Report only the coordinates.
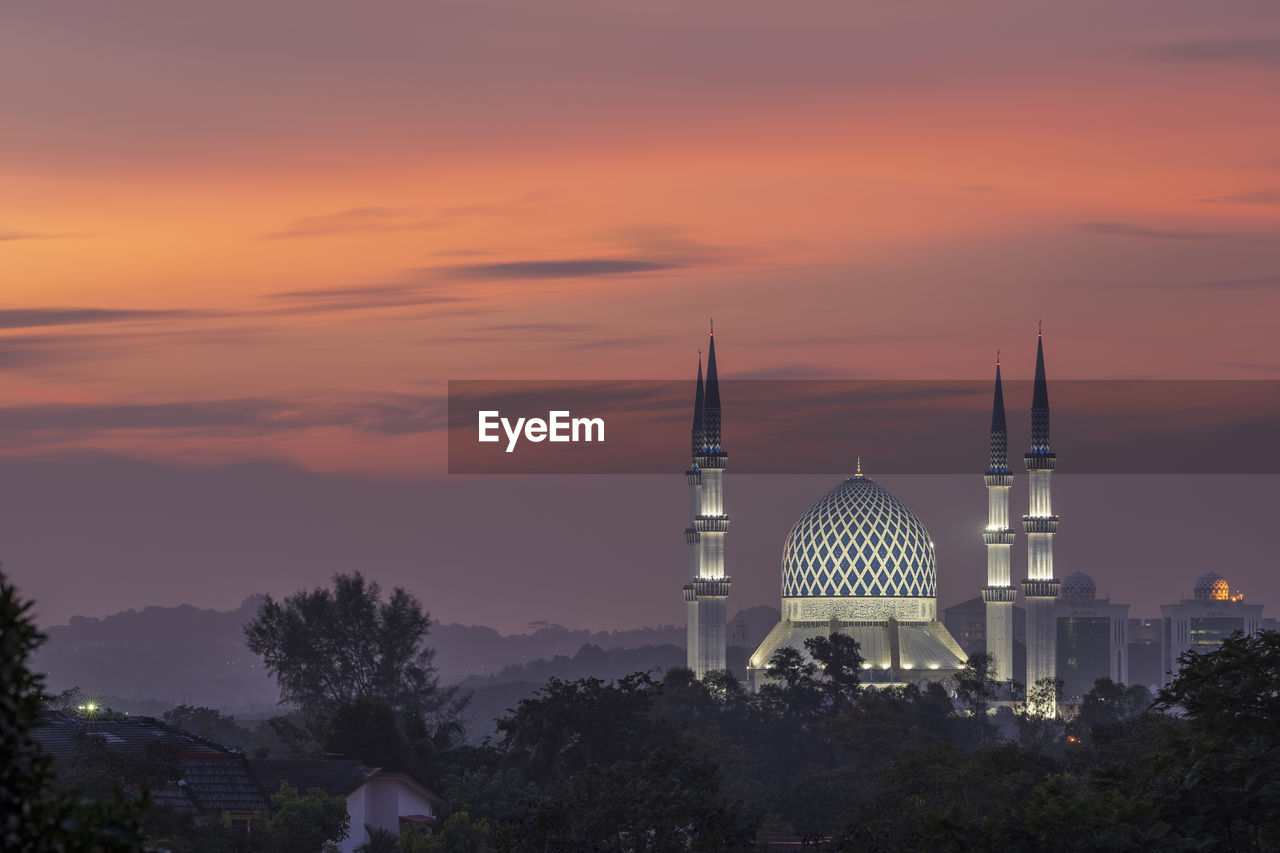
(36, 813)
(673, 763)
(679, 764)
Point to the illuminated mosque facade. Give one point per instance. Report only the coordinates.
(860, 562)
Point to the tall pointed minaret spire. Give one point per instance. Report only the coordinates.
(1040, 404)
(699, 435)
(1041, 587)
(708, 585)
(999, 592)
(711, 407)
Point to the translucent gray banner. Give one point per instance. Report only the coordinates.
(897, 427)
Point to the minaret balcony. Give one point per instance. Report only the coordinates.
(714, 460)
(1043, 524)
(1041, 461)
(709, 588)
(1041, 588)
(998, 478)
(693, 477)
(688, 593)
(691, 536)
(998, 537)
(999, 594)
(711, 523)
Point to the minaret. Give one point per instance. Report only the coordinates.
(1040, 587)
(999, 592)
(708, 585)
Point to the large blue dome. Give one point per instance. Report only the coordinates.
(859, 541)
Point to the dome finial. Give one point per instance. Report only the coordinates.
(997, 356)
(713, 327)
(858, 473)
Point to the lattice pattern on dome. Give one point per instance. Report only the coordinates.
(1079, 585)
(859, 541)
(1212, 587)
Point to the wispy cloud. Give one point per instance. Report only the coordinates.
(24, 318)
(382, 415)
(547, 328)
(673, 244)
(362, 297)
(33, 351)
(631, 250)
(1253, 51)
(359, 220)
(1125, 229)
(559, 268)
(1267, 196)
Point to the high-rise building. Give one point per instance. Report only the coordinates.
(708, 585)
(1092, 638)
(1146, 650)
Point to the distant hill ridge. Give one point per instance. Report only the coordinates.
(196, 656)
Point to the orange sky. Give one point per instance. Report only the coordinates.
(853, 191)
(240, 231)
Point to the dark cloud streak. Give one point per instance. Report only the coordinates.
(561, 268)
(25, 318)
(390, 414)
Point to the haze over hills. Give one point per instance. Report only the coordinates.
(148, 660)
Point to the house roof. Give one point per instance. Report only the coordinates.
(214, 778)
(337, 778)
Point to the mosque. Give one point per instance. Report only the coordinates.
(859, 561)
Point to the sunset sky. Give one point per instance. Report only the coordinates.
(244, 246)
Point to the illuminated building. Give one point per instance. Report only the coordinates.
(1202, 622)
(860, 562)
(999, 593)
(708, 585)
(1092, 638)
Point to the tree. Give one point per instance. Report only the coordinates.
(301, 823)
(460, 834)
(221, 728)
(380, 841)
(1108, 704)
(1232, 690)
(840, 658)
(976, 689)
(568, 725)
(792, 690)
(367, 729)
(36, 814)
(336, 651)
